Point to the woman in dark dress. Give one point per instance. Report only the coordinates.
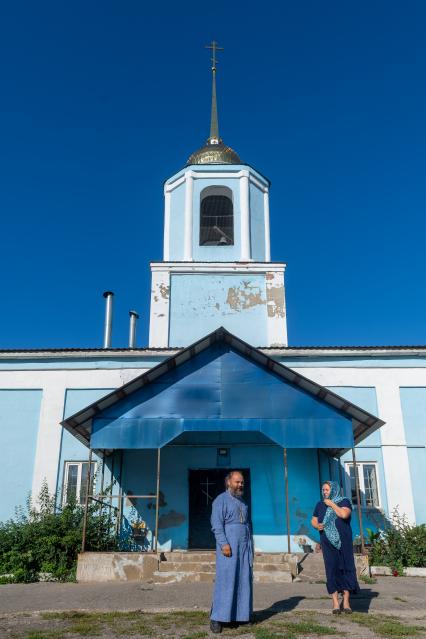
(332, 517)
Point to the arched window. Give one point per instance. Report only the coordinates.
(216, 217)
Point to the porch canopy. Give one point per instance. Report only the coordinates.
(221, 385)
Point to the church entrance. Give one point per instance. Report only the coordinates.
(204, 486)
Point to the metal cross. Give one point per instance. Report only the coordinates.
(207, 483)
(213, 46)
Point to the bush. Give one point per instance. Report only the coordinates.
(45, 539)
(399, 545)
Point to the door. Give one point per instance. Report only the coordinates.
(204, 486)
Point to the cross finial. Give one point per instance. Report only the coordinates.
(214, 47)
(214, 124)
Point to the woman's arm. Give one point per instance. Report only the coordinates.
(315, 524)
(343, 512)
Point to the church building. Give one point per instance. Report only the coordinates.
(217, 388)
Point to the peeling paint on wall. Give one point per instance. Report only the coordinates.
(245, 296)
(275, 301)
(164, 291)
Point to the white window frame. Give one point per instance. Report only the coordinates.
(80, 479)
(360, 466)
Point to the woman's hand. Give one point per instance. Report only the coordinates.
(320, 526)
(328, 502)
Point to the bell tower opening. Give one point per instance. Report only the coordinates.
(216, 216)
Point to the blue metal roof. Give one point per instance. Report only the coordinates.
(221, 384)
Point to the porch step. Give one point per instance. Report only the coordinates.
(186, 566)
(193, 567)
(311, 567)
(181, 577)
(274, 576)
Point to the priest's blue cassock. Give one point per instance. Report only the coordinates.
(233, 592)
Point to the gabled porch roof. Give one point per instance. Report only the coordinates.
(222, 384)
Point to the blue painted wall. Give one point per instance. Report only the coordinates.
(267, 490)
(201, 303)
(417, 461)
(257, 224)
(19, 422)
(71, 448)
(177, 214)
(413, 405)
(368, 451)
(216, 253)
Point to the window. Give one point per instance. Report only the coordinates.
(75, 481)
(368, 485)
(216, 217)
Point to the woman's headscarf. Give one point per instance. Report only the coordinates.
(330, 517)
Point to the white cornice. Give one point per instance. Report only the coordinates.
(218, 267)
(219, 175)
(147, 353)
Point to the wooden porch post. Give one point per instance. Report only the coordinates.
(340, 475)
(358, 501)
(287, 510)
(86, 502)
(319, 472)
(157, 503)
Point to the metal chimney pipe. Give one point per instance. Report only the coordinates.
(132, 328)
(108, 295)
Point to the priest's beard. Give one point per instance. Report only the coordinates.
(238, 492)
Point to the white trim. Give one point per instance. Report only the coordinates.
(360, 466)
(245, 219)
(188, 216)
(167, 208)
(102, 353)
(218, 267)
(168, 188)
(218, 175)
(267, 226)
(159, 309)
(80, 478)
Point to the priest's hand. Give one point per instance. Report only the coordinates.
(226, 550)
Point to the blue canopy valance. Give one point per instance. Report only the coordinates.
(221, 385)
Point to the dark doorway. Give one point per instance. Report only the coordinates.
(204, 486)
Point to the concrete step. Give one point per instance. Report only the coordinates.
(193, 566)
(269, 577)
(207, 557)
(179, 555)
(175, 577)
(259, 576)
(311, 567)
(187, 566)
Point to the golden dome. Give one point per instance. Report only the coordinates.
(214, 153)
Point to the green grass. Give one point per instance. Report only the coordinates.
(386, 626)
(304, 628)
(195, 635)
(45, 634)
(367, 580)
(401, 599)
(85, 629)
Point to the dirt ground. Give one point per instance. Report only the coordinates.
(392, 607)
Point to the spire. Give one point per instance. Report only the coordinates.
(214, 124)
(214, 151)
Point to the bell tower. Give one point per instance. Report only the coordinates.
(217, 268)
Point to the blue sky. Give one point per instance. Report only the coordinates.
(100, 102)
